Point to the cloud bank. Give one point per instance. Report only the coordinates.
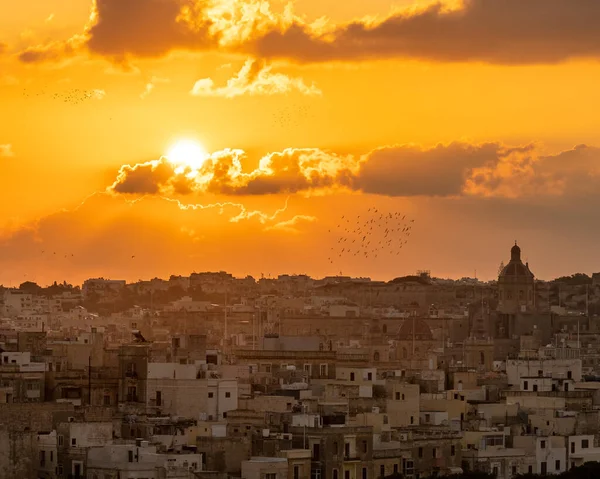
(490, 31)
(446, 170)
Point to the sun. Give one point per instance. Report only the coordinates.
(187, 153)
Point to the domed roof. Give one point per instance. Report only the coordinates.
(421, 330)
(516, 268)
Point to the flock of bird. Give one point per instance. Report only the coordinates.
(291, 116)
(67, 255)
(74, 96)
(369, 236)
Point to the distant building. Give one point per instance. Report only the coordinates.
(516, 285)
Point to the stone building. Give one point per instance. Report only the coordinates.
(516, 285)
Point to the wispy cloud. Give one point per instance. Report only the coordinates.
(151, 85)
(290, 226)
(254, 78)
(6, 151)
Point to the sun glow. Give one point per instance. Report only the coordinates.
(187, 153)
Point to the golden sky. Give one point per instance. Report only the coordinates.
(234, 134)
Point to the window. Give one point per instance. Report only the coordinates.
(228, 394)
(73, 441)
(420, 452)
(453, 450)
(323, 370)
(106, 400)
(267, 368)
(382, 471)
(495, 471)
(316, 455)
(130, 455)
(51, 456)
(402, 397)
(530, 470)
(434, 452)
(544, 468)
(514, 470)
(335, 474)
(535, 388)
(369, 376)
(364, 473)
(59, 470)
(351, 376)
(569, 374)
(211, 395)
(42, 458)
(572, 448)
(131, 394)
(543, 444)
(346, 474)
(585, 443)
(412, 420)
(376, 356)
(409, 468)
(397, 396)
(271, 475)
(347, 449)
(395, 468)
(61, 440)
(557, 465)
(365, 447)
(427, 418)
(525, 385)
(540, 373)
(158, 398)
(307, 369)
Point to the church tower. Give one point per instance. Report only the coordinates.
(516, 290)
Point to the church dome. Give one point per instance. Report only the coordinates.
(516, 268)
(421, 330)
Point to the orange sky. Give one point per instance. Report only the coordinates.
(469, 117)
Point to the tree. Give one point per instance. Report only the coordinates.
(30, 287)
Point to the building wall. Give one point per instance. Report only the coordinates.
(402, 404)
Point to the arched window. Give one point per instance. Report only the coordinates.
(335, 474)
(481, 358)
(376, 356)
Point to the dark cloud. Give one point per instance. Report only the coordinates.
(147, 28)
(144, 178)
(493, 31)
(412, 170)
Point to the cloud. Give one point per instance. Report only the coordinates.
(446, 170)
(290, 226)
(491, 31)
(49, 18)
(6, 151)
(288, 171)
(124, 29)
(3, 48)
(254, 78)
(151, 85)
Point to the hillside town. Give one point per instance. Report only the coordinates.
(211, 376)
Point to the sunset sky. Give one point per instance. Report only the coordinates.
(143, 138)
